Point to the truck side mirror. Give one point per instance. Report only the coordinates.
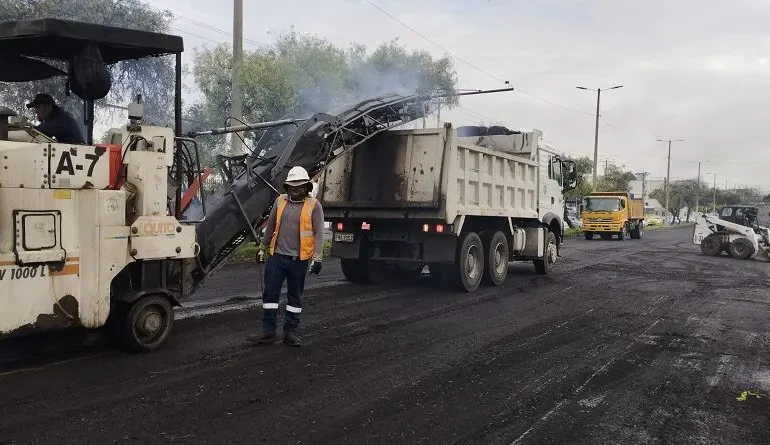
(570, 175)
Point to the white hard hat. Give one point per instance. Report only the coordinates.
(297, 176)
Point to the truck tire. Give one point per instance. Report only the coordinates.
(636, 232)
(352, 270)
(623, 234)
(740, 249)
(147, 324)
(589, 235)
(544, 266)
(496, 256)
(469, 263)
(377, 272)
(711, 245)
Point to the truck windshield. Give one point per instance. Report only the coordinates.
(601, 204)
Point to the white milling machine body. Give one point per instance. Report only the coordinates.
(69, 230)
(88, 232)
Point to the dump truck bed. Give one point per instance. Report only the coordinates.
(428, 174)
(636, 208)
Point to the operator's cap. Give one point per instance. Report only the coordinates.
(40, 99)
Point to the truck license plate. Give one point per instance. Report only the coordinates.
(343, 237)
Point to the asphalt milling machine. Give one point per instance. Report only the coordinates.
(736, 230)
(103, 234)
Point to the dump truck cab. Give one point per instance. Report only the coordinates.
(612, 213)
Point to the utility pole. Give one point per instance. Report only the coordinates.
(668, 170)
(715, 192)
(697, 187)
(237, 93)
(596, 130)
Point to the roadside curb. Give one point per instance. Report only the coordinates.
(647, 229)
(237, 302)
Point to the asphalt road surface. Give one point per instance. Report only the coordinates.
(633, 342)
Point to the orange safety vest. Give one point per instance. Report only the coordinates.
(306, 235)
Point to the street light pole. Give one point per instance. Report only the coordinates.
(596, 139)
(237, 93)
(596, 130)
(668, 170)
(697, 189)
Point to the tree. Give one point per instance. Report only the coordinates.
(303, 74)
(681, 195)
(152, 77)
(615, 179)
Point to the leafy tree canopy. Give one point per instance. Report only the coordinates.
(152, 77)
(303, 74)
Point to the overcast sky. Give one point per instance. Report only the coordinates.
(693, 70)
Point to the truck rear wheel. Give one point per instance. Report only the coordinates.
(741, 249)
(711, 245)
(377, 272)
(147, 324)
(496, 255)
(545, 266)
(469, 263)
(353, 270)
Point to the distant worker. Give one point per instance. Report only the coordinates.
(294, 233)
(55, 122)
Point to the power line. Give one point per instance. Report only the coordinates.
(477, 114)
(210, 28)
(194, 35)
(434, 43)
(481, 70)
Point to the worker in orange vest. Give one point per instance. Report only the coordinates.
(294, 231)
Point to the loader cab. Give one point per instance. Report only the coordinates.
(744, 215)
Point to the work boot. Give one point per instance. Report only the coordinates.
(292, 339)
(264, 339)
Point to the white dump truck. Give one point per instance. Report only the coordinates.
(463, 202)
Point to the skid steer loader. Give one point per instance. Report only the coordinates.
(736, 230)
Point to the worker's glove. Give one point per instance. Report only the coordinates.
(315, 267)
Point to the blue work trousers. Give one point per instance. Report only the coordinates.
(293, 271)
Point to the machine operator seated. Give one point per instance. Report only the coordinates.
(55, 122)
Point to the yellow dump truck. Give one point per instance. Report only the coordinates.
(613, 213)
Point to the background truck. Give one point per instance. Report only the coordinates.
(613, 213)
(463, 202)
